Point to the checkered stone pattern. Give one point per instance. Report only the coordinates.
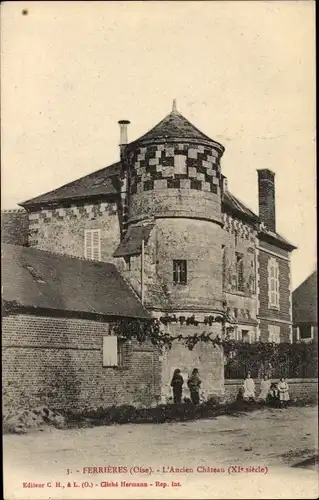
(179, 166)
(236, 226)
(45, 216)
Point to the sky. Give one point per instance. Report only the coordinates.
(242, 72)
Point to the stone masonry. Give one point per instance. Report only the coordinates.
(61, 362)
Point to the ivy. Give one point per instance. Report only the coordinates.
(258, 356)
(151, 331)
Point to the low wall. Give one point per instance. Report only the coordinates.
(302, 389)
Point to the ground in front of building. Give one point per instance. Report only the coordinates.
(275, 439)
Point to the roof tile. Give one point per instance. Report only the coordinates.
(66, 283)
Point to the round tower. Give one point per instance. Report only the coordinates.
(174, 177)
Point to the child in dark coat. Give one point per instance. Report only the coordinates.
(177, 386)
(194, 383)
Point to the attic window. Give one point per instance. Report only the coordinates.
(34, 274)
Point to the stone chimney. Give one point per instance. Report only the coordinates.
(266, 198)
(123, 133)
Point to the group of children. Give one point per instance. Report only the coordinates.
(269, 391)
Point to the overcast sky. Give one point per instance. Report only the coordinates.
(242, 72)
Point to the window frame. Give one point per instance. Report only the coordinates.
(120, 356)
(180, 164)
(224, 266)
(91, 232)
(246, 336)
(274, 334)
(240, 285)
(179, 274)
(301, 327)
(273, 284)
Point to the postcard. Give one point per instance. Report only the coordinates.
(159, 272)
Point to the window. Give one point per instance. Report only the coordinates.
(180, 164)
(274, 334)
(236, 335)
(305, 332)
(224, 266)
(36, 276)
(240, 272)
(128, 263)
(180, 271)
(92, 244)
(253, 276)
(113, 349)
(273, 283)
(245, 335)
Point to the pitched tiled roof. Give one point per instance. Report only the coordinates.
(43, 280)
(276, 237)
(132, 242)
(232, 203)
(237, 207)
(98, 183)
(304, 301)
(175, 127)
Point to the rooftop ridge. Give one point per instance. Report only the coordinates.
(13, 210)
(58, 254)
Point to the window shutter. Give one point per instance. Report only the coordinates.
(87, 245)
(175, 275)
(270, 333)
(92, 244)
(110, 351)
(96, 244)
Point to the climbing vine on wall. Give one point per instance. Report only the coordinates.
(152, 331)
(258, 356)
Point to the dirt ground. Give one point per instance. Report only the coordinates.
(275, 440)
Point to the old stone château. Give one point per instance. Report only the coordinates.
(191, 251)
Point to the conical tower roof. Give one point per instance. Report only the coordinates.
(175, 127)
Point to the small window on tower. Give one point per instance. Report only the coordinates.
(180, 164)
(180, 272)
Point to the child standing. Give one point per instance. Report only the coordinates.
(283, 392)
(194, 383)
(177, 385)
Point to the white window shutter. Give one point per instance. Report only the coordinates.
(270, 336)
(277, 330)
(110, 351)
(92, 244)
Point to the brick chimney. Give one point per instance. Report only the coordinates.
(123, 133)
(266, 197)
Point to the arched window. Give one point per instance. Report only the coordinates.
(273, 283)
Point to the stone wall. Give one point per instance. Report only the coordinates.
(58, 362)
(208, 359)
(303, 390)
(14, 227)
(61, 230)
(239, 238)
(180, 239)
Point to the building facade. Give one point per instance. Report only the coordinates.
(59, 345)
(305, 310)
(188, 247)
